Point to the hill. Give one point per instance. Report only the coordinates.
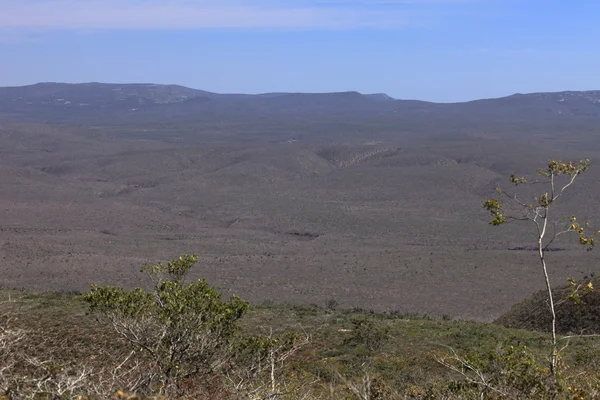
(155, 101)
(141, 97)
(539, 117)
(533, 313)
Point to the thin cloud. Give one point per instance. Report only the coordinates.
(199, 14)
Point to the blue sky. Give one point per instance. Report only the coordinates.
(438, 50)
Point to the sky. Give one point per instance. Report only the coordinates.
(436, 50)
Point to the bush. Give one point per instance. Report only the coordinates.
(182, 333)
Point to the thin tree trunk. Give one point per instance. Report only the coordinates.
(554, 357)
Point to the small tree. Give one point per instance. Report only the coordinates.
(184, 331)
(557, 178)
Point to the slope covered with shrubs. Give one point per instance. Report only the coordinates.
(573, 317)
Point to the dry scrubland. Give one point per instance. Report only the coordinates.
(298, 198)
(375, 226)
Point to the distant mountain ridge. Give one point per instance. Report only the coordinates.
(153, 93)
(164, 94)
(63, 100)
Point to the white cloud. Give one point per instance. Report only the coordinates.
(188, 14)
